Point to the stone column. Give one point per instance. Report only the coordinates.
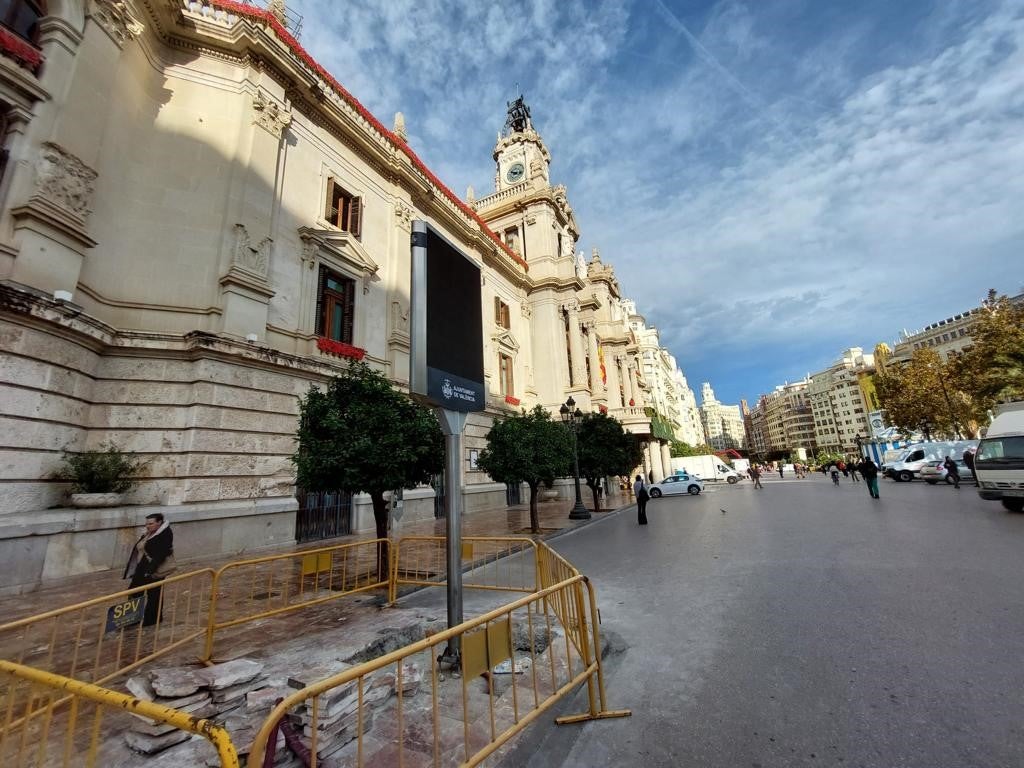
(666, 458)
(628, 391)
(611, 364)
(597, 386)
(649, 463)
(579, 370)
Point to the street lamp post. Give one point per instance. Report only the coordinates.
(571, 416)
(860, 445)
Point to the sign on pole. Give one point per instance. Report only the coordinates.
(446, 369)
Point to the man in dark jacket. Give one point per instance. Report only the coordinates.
(151, 561)
(869, 472)
(969, 462)
(952, 471)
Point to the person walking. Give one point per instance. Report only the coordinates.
(755, 475)
(869, 471)
(834, 471)
(953, 472)
(151, 561)
(640, 491)
(853, 471)
(969, 463)
(780, 471)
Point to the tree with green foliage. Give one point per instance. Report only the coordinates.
(991, 370)
(924, 388)
(528, 448)
(604, 449)
(362, 435)
(680, 449)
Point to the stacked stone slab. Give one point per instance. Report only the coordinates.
(212, 693)
(338, 719)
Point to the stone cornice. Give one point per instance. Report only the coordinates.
(557, 283)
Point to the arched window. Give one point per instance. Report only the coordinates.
(22, 17)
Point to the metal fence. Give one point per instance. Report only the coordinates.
(517, 660)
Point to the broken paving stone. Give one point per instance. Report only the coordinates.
(225, 695)
(265, 699)
(317, 672)
(149, 728)
(174, 682)
(140, 688)
(150, 745)
(229, 673)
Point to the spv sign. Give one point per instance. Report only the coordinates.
(126, 613)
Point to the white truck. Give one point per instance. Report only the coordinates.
(708, 468)
(999, 462)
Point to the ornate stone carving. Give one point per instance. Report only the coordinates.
(572, 306)
(117, 19)
(63, 179)
(525, 310)
(399, 317)
(269, 115)
(399, 127)
(310, 249)
(403, 215)
(246, 256)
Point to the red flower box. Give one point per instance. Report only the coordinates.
(511, 400)
(340, 349)
(603, 408)
(20, 50)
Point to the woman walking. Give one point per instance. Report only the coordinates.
(640, 491)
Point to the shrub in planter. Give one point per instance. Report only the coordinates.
(108, 471)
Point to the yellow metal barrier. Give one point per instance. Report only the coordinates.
(40, 732)
(99, 639)
(265, 586)
(59, 658)
(467, 717)
(506, 563)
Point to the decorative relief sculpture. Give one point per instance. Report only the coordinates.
(63, 179)
(572, 306)
(246, 256)
(310, 248)
(269, 115)
(399, 317)
(403, 214)
(117, 19)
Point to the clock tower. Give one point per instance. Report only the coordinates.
(520, 153)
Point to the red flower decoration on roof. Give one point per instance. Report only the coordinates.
(340, 349)
(20, 50)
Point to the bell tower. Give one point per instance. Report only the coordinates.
(520, 155)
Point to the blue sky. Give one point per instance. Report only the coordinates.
(774, 181)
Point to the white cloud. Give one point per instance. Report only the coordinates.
(862, 179)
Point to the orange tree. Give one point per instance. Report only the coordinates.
(362, 435)
(604, 449)
(527, 448)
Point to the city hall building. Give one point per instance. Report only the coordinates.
(197, 224)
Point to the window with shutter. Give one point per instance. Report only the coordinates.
(336, 303)
(343, 210)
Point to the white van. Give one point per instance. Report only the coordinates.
(914, 457)
(999, 463)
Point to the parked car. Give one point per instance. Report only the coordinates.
(935, 472)
(675, 484)
(909, 463)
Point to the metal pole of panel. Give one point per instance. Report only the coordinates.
(418, 310)
(453, 423)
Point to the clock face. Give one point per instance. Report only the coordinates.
(515, 172)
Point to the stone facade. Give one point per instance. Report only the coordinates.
(838, 403)
(162, 228)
